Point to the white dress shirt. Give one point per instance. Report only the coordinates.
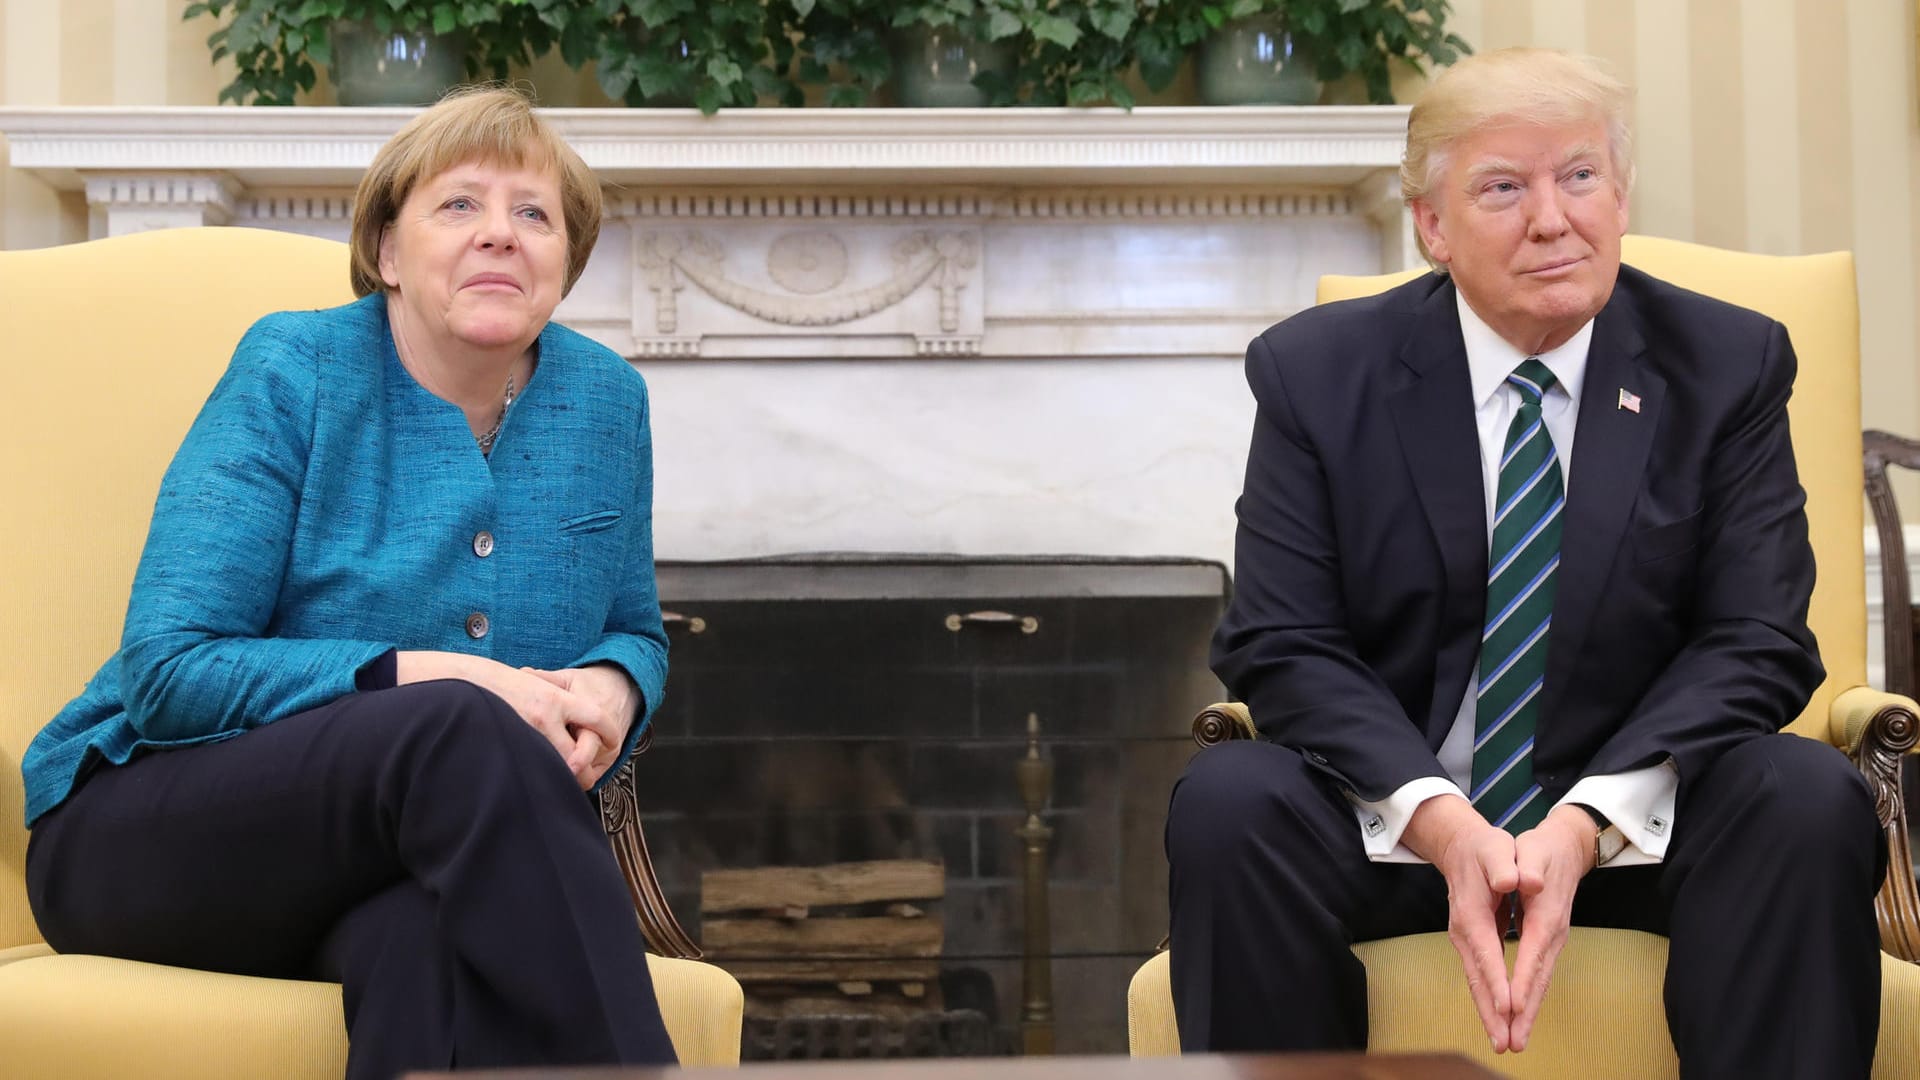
(1640, 801)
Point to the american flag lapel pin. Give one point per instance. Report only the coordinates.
(1629, 400)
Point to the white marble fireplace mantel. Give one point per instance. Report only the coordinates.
(964, 331)
(842, 232)
(270, 147)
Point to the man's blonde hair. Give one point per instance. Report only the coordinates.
(1512, 86)
(493, 125)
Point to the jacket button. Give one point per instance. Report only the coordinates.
(476, 626)
(483, 543)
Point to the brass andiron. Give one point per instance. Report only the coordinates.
(674, 620)
(1035, 775)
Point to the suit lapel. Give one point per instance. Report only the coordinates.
(1611, 445)
(1433, 415)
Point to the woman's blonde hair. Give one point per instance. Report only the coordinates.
(490, 124)
(1520, 85)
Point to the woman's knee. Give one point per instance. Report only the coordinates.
(454, 709)
(461, 725)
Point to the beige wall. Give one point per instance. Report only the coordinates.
(1770, 125)
(135, 52)
(91, 52)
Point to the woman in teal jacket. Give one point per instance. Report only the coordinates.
(395, 611)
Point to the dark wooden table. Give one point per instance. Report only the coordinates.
(1198, 1067)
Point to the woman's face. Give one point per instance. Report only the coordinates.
(477, 255)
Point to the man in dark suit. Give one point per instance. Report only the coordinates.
(1486, 658)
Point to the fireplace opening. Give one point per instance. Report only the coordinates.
(832, 710)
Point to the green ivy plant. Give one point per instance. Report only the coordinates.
(1171, 29)
(838, 45)
(276, 43)
(1081, 51)
(1365, 37)
(718, 53)
(710, 53)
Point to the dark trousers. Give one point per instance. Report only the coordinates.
(1765, 896)
(422, 845)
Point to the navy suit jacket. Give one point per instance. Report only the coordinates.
(1679, 628)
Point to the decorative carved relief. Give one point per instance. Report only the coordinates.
(807, 262)
(857, 281)
(657, 255)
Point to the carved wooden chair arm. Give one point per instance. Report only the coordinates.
(620, 816)
(1876, 730)
(1221, 722)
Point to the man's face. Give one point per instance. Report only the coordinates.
(1528, 220)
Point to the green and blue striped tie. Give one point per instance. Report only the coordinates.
(1522, 562)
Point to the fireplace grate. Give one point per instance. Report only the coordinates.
(953, 1033)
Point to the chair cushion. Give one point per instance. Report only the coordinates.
(24, 952)
(95, 1016)
(1603, 1017)
(1898, 1055)
(64, 1016)
(1151, 1029)
(702, 1006)
(1593, 1024)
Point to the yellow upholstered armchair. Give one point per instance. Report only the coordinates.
(1604, 1015)
(109, 349)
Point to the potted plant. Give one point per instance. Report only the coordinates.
(929, 53)
(966, 53)
(1278, 51)
(1255, 59)
(953, 53)
(378, 52)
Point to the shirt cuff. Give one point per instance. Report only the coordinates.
(1640, 802)
(1382, 823)
(380, 673)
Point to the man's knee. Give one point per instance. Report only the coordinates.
(1804, 796)
(1233, 793)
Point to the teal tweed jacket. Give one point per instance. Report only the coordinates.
(324, 509)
